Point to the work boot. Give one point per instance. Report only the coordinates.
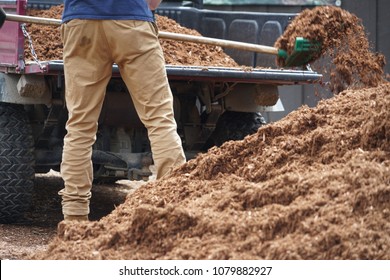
(76, 218)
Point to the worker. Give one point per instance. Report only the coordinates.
(95, 35)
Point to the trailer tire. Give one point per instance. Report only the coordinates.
(235, 126)
(16, 163)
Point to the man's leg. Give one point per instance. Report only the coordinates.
(140, 58)
(87, 72)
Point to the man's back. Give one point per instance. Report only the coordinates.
(106, 9)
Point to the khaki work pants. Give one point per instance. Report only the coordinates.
(90, 49)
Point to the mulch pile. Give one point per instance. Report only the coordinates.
(314, 185)
(48, 45)
(343, 39)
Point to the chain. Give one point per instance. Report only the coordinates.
(30, 44)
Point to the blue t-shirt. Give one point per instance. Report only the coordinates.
(106, 9)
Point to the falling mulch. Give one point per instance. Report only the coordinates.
(343, 39)
(314, 185)
(48, 44)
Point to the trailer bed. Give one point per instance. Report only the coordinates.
(203, 73)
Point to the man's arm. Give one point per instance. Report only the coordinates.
(153, 4)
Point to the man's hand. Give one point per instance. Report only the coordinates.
(153, 4)
(2, 17)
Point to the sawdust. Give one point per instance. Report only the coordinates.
(343, 39)
(48, 44)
